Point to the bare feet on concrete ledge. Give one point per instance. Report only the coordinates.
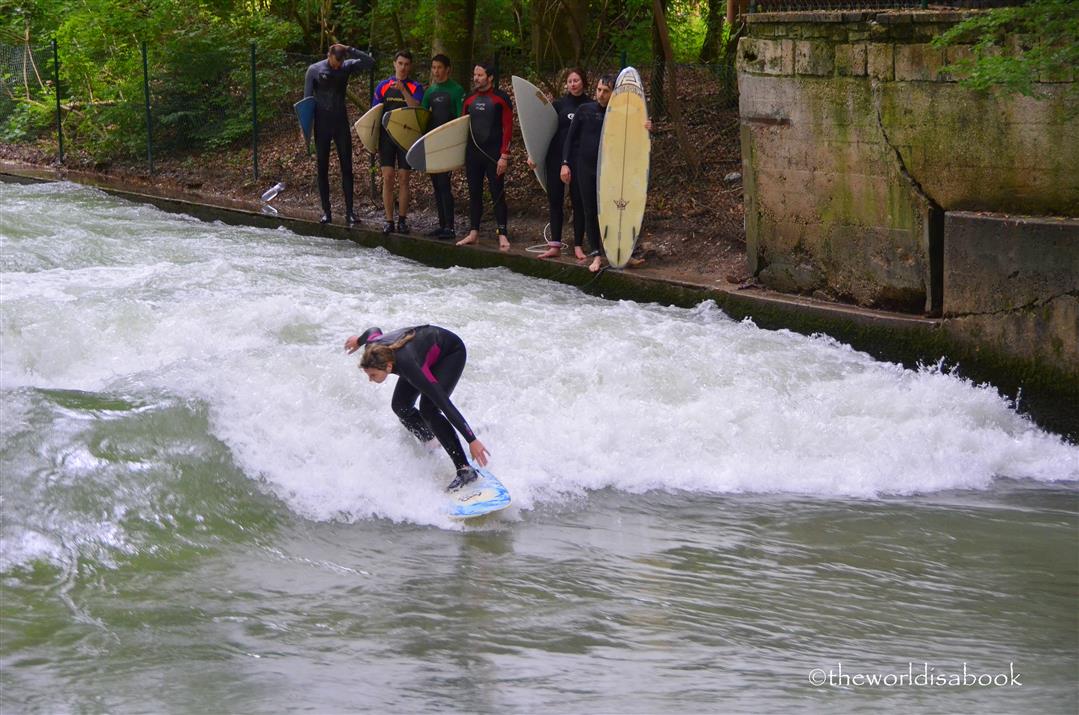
(554, 250)
(634, 263)
(503, 243)
(579, 254)
(596, 265)
(471, 239)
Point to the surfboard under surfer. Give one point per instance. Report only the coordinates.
(428, 361)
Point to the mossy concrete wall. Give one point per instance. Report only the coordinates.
(856, 142)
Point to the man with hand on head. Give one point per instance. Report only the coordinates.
(327, 82)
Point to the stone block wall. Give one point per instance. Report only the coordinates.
(856, 141)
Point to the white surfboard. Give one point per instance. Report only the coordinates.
(622, 178)
(367, 126)
(539, 123)
(481, 497)
(442, 149)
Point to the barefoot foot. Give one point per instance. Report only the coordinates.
(552, 252)
(503, 243)
(472, 238)
(596, 265)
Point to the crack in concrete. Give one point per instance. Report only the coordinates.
(914, 183)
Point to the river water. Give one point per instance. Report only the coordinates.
(207, 508)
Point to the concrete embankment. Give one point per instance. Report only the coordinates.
(1049, 394)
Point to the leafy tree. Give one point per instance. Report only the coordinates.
(1013, 48)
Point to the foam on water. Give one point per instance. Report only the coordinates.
(571, 393)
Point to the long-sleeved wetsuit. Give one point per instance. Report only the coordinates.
(565, 107)
(491, 127)
(428, 367)
(445, 100)
(327, 86)
(581, 153)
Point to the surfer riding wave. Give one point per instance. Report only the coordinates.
(428, 361)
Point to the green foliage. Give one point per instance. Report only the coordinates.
(199, 58)
(1013, 48)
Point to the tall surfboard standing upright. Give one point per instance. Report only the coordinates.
(625, 148)
(539, 123)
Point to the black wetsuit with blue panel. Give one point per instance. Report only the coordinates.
(328, 86)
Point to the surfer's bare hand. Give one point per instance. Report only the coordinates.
(531, 164)
(566, 175)
(479, 452)
(648, 125)
(352, 344)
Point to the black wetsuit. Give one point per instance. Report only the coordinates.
(328, 87)
(566, 107)
(428, 367)
(581, 154)
(445, 101)
(491, 126)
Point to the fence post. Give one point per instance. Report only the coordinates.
(371, 166)
(254, 115)
(149, 118)
(56, 81)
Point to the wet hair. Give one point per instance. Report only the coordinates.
(607, 79)
(338, 51)
(402, 53)
(442, 58)
(488, 67)
(378, 356)
(577, 71)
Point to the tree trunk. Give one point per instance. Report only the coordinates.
(713, 37)
(454, 36)
(688, 150)
(659, 65)
(558, 33)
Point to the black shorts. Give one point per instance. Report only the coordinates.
(389, 154)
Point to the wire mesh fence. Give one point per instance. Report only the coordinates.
(221, 97)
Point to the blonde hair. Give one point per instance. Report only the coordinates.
(378, 356)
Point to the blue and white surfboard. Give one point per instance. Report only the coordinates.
(480, 497)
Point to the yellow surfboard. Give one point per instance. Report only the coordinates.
(367, 126)
(622, 181)
(442, 149)
(406, 125)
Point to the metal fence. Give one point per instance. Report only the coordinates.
(166, 113)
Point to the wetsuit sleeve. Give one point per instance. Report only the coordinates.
(507, 123)
(426, 101)
(459, 100)
(429, 388)
(360, 61)
(418, 92)
(380, 91)
(309, 81)
(574, 130)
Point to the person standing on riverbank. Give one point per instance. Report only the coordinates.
(445, 99)
(580, 159)
(565, 107)
(487, 154)
(327, 81)
(395, 92)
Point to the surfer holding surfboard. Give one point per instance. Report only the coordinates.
(395, 92)
(565, 107)
(487, 153)
(445, 99)
(580, 157)
(327, 81)
(428, 361)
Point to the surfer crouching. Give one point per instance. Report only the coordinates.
(428, 361)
